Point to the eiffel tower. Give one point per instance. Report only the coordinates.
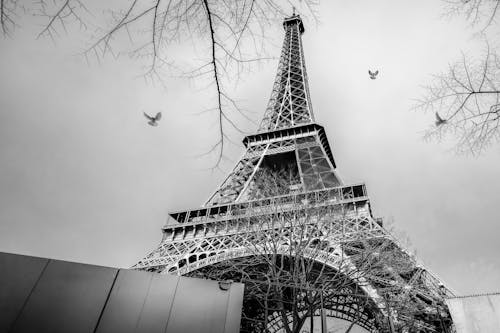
(288, 137)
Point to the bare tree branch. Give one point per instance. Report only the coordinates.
(478, 12)
(8, 9)
(294, 266)
(221, 114)
(67, 12)
(466, 101)
(234, 30)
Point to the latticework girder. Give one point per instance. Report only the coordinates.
(307, 150)
(347, 306)
(290, 103)
(225, 233)
(365, 275)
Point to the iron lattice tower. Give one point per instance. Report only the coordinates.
(223, 229)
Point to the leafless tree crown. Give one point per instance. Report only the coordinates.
(467, 99)
(288, 273)
(481, 13)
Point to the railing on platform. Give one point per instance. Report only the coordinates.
(324, 197)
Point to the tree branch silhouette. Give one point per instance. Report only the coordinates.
(234, 30)
(467, 98)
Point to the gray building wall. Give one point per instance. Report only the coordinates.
(44, 295)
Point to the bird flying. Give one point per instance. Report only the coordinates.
(153, 121)
(439, 121)
(373, 75)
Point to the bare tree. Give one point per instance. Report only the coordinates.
(466, 102)
(234, 35)
(479, 12)
(297, 263)
(465, 99)
(286, 267)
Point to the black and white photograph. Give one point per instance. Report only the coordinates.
(224, 166)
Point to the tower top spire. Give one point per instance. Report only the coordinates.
(290, 103)
(294, 19)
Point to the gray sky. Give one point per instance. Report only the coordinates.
(84, 178)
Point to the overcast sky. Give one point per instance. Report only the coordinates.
(84, 178)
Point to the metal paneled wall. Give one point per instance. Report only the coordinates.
(139, 302)
(234, 307)
(124, 306)
(18, 276)
(158, 304)
(68, 297)
(199, 306)
(41, 295)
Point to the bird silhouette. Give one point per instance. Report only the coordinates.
(373, 75)
(439, 121)
(153, 121)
